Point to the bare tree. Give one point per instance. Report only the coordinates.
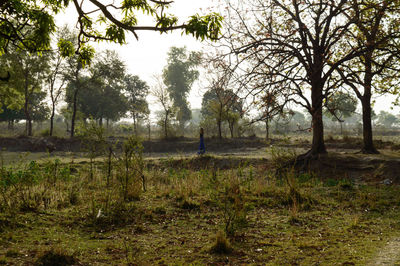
(57, 78)
(293, 42)
(377, 69)
(160, 92)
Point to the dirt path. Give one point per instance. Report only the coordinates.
(389, 254)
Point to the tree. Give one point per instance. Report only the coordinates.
(100, 90)
(340, 105)
(160, 92)
(29, 24)
(11, 116)
(108, 75)
(222, 105)
(387, 119)
(376, 69)
(292, 41)
(57, 78)
(99, 101)
(270, 108)
(179, 75)
(75, 83)
(136, 91)
(28, 73)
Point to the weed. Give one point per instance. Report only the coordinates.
(187, 204)
(11, 253)
(229, 197)
(281, 157)
(73, 195)
(130, 169)
(55, 257)
(221, 244)
(3, 261)
(346, 184)
(94, 141)
(160, 210)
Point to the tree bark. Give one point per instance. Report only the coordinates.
(219, 122)
(267, 129)
(53, 108)
(166, 125)
(28, 125)
(368, 144)
(134, 124)
(318, 143)
(231, 127)
(366, 107)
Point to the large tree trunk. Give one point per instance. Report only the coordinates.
(366, 107)
(318, 143)
(368, 147)
(74, 113)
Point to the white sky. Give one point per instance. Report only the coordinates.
(147, 56)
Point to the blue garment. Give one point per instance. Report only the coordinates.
(202, 147)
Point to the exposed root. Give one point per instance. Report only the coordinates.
(369, 151)
(301, 163)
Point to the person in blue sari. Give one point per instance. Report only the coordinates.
(202, 147)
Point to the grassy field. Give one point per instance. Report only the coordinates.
(174, 211)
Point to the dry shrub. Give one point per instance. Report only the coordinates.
(221, 244)
(55, 257)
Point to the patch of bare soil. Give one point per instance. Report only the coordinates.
(43, 144)
(179, 145)
(358, 167)
(371, 169)
(389, 254)
(39, 144)
(207, 162)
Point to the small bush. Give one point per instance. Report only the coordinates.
(221, 245)
(188, 204)
(53, 257)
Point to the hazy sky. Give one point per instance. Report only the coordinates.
(147, 56)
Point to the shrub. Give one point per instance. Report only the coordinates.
(221, 244)
(53, 257)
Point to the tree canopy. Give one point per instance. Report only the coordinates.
(30, 24)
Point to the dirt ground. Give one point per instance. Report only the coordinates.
(176, 219)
